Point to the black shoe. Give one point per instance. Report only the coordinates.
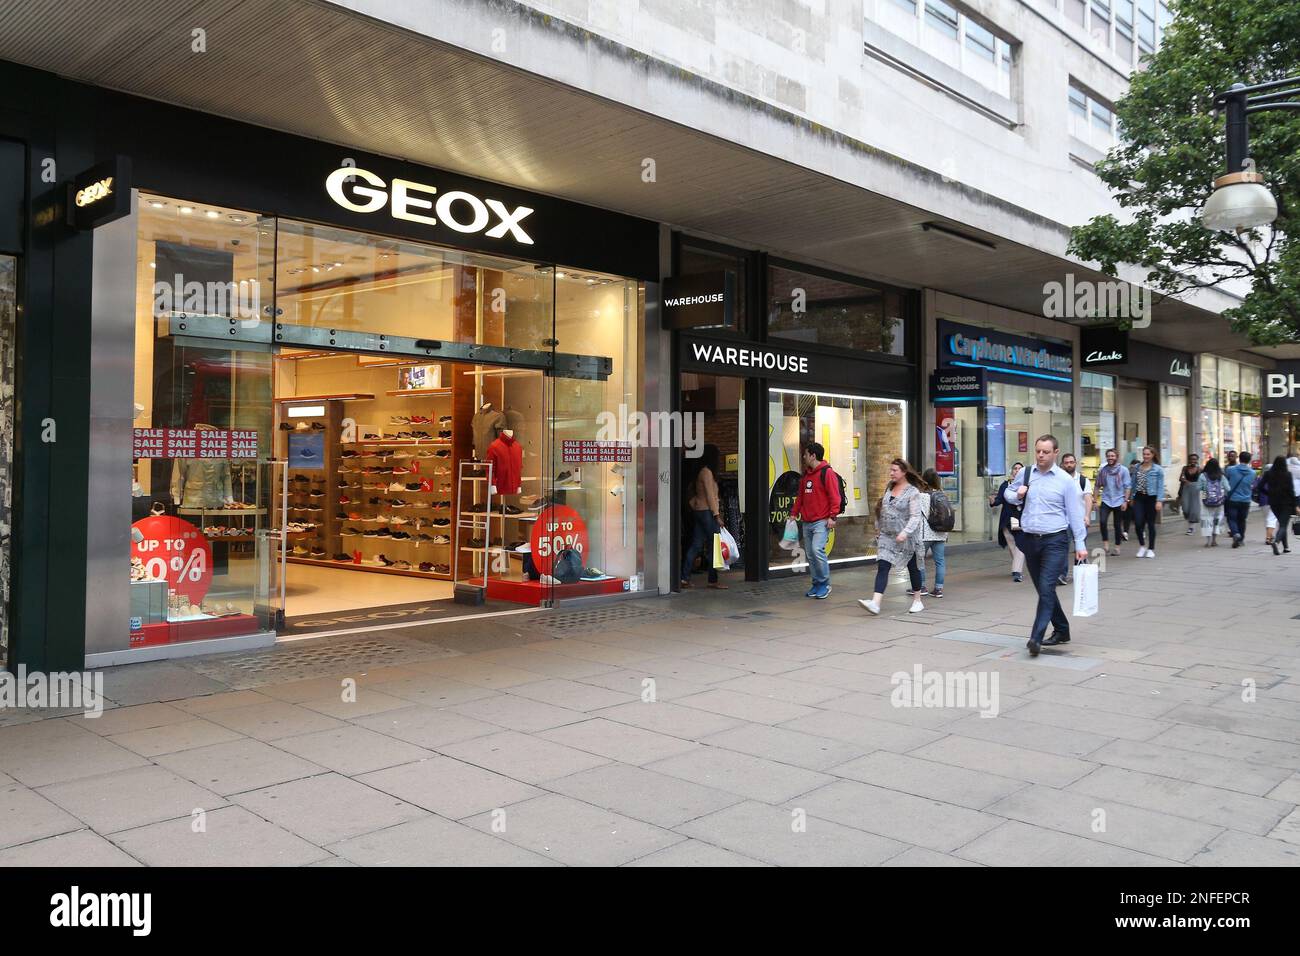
(1033, 647)
(1236, 542)
(1062, 580)
(1275, 550)
(1056, 638)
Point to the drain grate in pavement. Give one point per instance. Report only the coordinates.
(307, 659)
(568, 622)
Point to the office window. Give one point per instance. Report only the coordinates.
(1078, 102)
(981, 42)
(1102, 118)
(941, 17)
(910, 5)
(1091, 120)
(1077, 10)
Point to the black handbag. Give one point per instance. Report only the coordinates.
(1295, 527)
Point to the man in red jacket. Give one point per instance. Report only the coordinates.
(816, 507)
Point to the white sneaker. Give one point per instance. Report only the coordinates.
(873, 608)
(1151, 554)
(1142, 552)
(916, 606)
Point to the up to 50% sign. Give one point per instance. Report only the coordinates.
(558, 528)
(177, 551)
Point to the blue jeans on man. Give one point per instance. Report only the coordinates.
(814, 535)
(1047, 557)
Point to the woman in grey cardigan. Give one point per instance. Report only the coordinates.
(899, 517)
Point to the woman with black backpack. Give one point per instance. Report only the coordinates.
(938, 514)
(1281, 500)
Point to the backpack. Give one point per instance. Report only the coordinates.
(941, 516)
(1213, 493)
(1258, 493)
(844, 490)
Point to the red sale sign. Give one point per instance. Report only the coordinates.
(945, 441)
(557, 528)
(176, 550)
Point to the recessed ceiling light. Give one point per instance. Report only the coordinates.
(186, 209)
(153, 265)
(157, 203)
(315, 268)
(338, 263)
(212, 214)
(236, 217)
(559, 275)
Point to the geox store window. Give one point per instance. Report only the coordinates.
(304, 473)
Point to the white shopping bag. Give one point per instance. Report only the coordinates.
(790, 539)
(1086, 600)
(729, 550)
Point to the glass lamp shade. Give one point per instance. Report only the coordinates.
(1238, 205)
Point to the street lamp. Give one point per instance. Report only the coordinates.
(1240, 199)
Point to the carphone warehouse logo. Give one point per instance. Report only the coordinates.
(75, 909)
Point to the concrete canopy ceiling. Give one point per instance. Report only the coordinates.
(311, 68)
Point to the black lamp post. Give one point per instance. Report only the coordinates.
(1240, 199)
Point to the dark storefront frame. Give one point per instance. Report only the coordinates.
(64, 128)
(835, 375)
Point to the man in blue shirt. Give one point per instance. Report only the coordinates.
(1114, 484)
(1241, 478)
(1051, 511)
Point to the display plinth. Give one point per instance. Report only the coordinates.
(535, 592)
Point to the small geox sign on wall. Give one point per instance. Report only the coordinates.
(704, 301)
(100, 194)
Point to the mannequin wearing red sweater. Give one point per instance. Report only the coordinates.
(507, 459)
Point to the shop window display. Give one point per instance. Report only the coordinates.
(834, 312)
(364, 461)
(861, 436)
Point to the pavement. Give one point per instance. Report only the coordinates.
(743, 727)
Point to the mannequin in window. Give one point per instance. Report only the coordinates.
(506, 456)
(485, 425)
(201, 482)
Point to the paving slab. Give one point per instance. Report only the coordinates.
(328, 808)
(926, 778)
(752, 777)
(618, 741)
(230, 835)
(76, 850)
(27, 816)
(352, 750)
(523, 757)
(450, 787)
(694, 853)
(237, 766)
(131, 798)
(643, 794)
(575, 833)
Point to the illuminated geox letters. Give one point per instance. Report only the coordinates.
(95, 192)
(412, 201)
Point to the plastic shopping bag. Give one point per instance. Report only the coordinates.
(1086, 600)
(790, 539)
(729, 550)
(717, 552)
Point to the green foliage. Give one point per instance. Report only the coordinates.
(1173, 149)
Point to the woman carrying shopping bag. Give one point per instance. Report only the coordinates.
(899, 518)
(1009, 524)
(702, 493)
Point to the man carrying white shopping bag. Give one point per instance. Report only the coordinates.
(819, 502)
(1051, 511)
(1086, 599)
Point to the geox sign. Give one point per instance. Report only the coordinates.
(359, 190)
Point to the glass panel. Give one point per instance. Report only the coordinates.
(908, 5)
(203, 423)
(1123, 44)
(338, 279)
(941, 17)
(980, 41)
(1229, 385)
(1174, 409)
(8, 314)
(601, 315)
(1101, 117)
(1212, 435)
(1096, 419)
(824, 311)
(1004, 56)
(1251, 385)
(1076, 11)
(1146, 30)
(1078, 103)
(860, 436)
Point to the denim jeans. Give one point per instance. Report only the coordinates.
(1144, 515)
(814, 535)
(940, 565)
(706, 526)
(1237, 512)
(1047, 558)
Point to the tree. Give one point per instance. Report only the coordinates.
(1172, 149)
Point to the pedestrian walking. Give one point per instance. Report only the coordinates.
(1259, 496)
(1006, 530)
(1189, 492)
(819, 502)
(1052, 511)
(1148, 500)
(1280, 488)
(1213, 488)
(702, 495)
(1115, 487)
(1241, 478)
(933, 501)
(1070, 465)
(899, 518)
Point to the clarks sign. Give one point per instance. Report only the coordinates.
(359, 190)
(1109, 349)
